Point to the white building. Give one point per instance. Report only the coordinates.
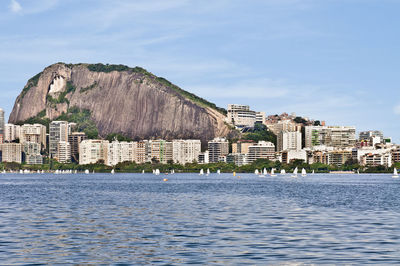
(11, 132)
(289, 141)
(32, 153)
(238, 159)
(186, 151)
(63, 152)
(332, 136)
(93, 150)
(241, 115)
(58, 131)
(119, 152)
(261, 150)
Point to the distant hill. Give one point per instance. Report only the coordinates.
(117, 99)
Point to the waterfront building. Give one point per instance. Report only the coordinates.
(63, 152)
(376, 159)
(186, 151)
(287, 140)
(92, 151)
(216, 148)
(143, 151)
(331, 136)
(396, 155)
(238, 159)
(33, 133)
(119, 152)
(161, 151)
(288, 156)
(242, 146)
(241, 116)
(59, 131)
(31, 152)
(11, 152)
(74, 140)
(339, 157)
(261, 150)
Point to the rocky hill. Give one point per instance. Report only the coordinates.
(117, 99)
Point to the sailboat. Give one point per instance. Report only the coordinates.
(283, 172)
(201, 172)
(395, 174)
(157, 172)
(358, 172)
(313, 172)
(303, 172)
(218, 171)
(142, 171)
(295, 172)
(256, 172)
(208, 172)
(263, 173)
(112, 171)
(87, 171)
(273, 172)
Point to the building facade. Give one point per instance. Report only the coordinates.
(58, 131)
(216, 148)
(74, 139)
(186, 151)
(287, 140)
(241, 115)
(11, 152)
(92, 151)
(261, 150)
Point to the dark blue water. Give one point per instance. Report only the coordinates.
(215, 220)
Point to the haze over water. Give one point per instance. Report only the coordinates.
(219, 219)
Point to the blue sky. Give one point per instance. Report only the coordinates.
(333, 60)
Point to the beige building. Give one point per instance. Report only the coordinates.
(284, 125)
(63, 152)
(217, 148)
(331, 136)
(93, 150)
(142, 151)
(161, 150)
(119, 152)
(287, 140)
(242, 146)
(241, 115)
(33, 133)
(11, 152)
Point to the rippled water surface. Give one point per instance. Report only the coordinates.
(219, 219)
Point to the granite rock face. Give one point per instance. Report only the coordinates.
(132, 102)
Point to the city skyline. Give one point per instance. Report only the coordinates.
(334, 61)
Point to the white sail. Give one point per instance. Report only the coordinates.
(218, 171)
(358, 172)
(208, 171)
(295, 172)
(87, 171)
(157, 171)
(395, 174)
(273, 172)
(265, 172)
(303, 172)
(313, 172)
(42, 171)
(283, 172)
(142, 171)
(201, 172)
(112, 171)
(256, 172)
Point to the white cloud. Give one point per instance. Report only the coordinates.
(15, 6)
(396, 109)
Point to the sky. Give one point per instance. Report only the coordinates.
(331, 60)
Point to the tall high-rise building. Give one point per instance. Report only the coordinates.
(74, 140)
(143, 151)
(1, 125)
(59, 131)
(161, 151)
(242, 146)
(63, 152)
(32, 153)
(186, 151)
(11, 132)
(216, 148)
(119, 152)
(288, 141)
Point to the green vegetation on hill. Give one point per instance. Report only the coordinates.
(190, 96)
(259, 133)
(62, 97)
(119, 137)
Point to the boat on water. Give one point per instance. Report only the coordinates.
(142, 171)
(313, 172)
(87, 171)
(273, 172)
(395, 174)
(303, 172)
(157, 171)
(112, 171)
(283, 172)
(295, 171)
(201, 172)
(264, 173)
(218, 171)
(208, 172)
(256, 172)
